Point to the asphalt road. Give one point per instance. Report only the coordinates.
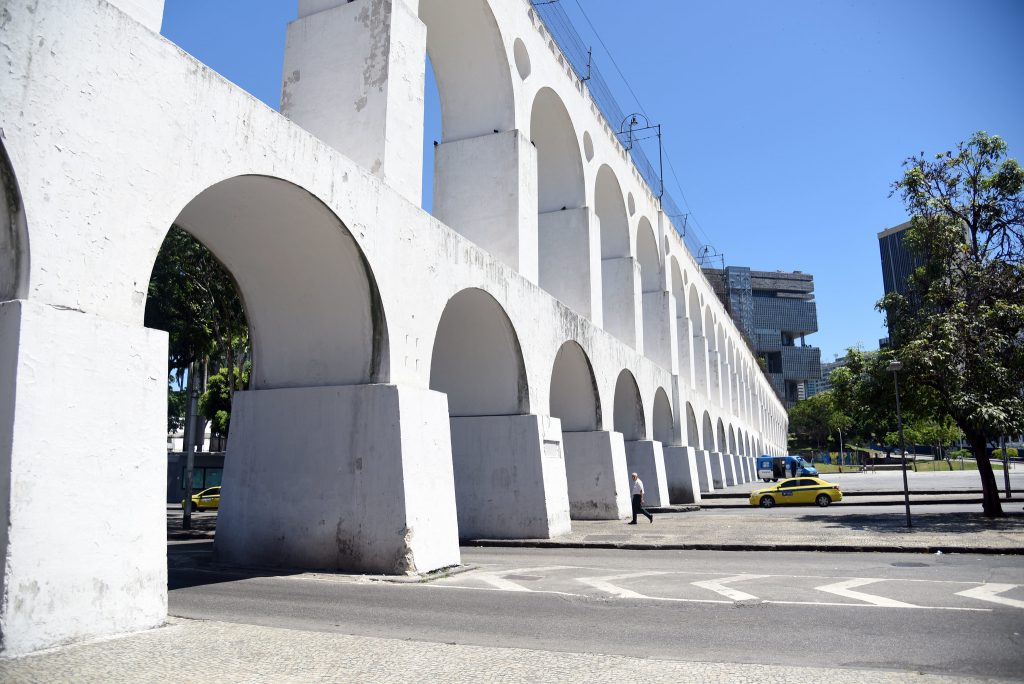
(887, 611)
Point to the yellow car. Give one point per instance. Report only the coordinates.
(797, 490)
(205, 500)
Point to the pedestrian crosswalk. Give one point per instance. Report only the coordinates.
(710, 587)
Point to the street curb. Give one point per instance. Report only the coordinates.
(823, 548)
(850, 503)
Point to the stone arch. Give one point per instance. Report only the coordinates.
(618, 268)
(647, 255)
(314, 312)
(628, 417)
(477, 360)
(732, 440)
(708, 433)
(700, 348)
(692, 432)
(714, 357)
(559, 162)
(14, 252)
(474, 78)
(573, 397)
(611, 212)
(684, 337)
(720, 438)
(563, 258)
(663, 431)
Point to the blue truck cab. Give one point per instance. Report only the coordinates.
(774, 468)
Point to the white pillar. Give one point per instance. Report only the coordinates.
(354, 477)
(83, 411)
(565, 260)
(682, 475)
(620, 284)
(595, 471)
(510, 479)
(703, 461)
(717, 470)
(486, 189)
(354, 74)
(646, 459)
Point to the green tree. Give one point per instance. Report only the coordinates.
(194, 298)
(816, 420)
(960, 331)
(215, 402)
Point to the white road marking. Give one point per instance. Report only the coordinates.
(718, 586)
(605, 584)
(498, 582)
(988, 592)
(845, 589)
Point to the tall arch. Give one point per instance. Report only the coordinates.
(563, 236)
(14, 252)
(474, 79)
(663, 431)
(692, 432)
(628, 416)
(502, 464)
(619, 287)
(720, 438)
(477, 360)
(647, 255)
(714, 357)
(315, 325)
(700, 347)
(559, 161)
(732, 440)
(708, 433)
(573, 397)
(683, 334)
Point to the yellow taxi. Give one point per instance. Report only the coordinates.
(797, 490)
(205, 500)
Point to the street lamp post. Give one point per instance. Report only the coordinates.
(895, 367)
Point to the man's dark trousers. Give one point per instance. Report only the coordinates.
(639, 508)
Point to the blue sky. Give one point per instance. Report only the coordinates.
(786, 122)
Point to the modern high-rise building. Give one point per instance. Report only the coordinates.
(775, 311)
(898, 263)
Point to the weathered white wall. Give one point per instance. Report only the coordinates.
(111, 132)
(681, 474)
(322, 477)
(595, 469)
(509, 477)
(645, 458)
(82, 411)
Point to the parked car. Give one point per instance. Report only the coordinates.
(205, 500)
(797, 490)
(773, 468)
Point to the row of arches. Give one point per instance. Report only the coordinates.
(615, 272)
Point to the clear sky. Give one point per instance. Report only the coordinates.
(786, 122)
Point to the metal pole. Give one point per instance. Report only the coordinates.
(190, 448)
(840, 450)
(903, 450)
(1006, 464)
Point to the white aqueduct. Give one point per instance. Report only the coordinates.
(491, 370)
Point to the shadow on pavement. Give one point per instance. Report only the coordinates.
(931, 523)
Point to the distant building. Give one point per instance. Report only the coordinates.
(898, 263)
(775, 311)
(823, 384)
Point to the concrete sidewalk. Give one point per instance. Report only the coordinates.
(227, 653)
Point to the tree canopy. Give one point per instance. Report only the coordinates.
(194, 298)
(959, 332)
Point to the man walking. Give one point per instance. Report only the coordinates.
(638, 500)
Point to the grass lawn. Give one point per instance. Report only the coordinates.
(922, 466)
